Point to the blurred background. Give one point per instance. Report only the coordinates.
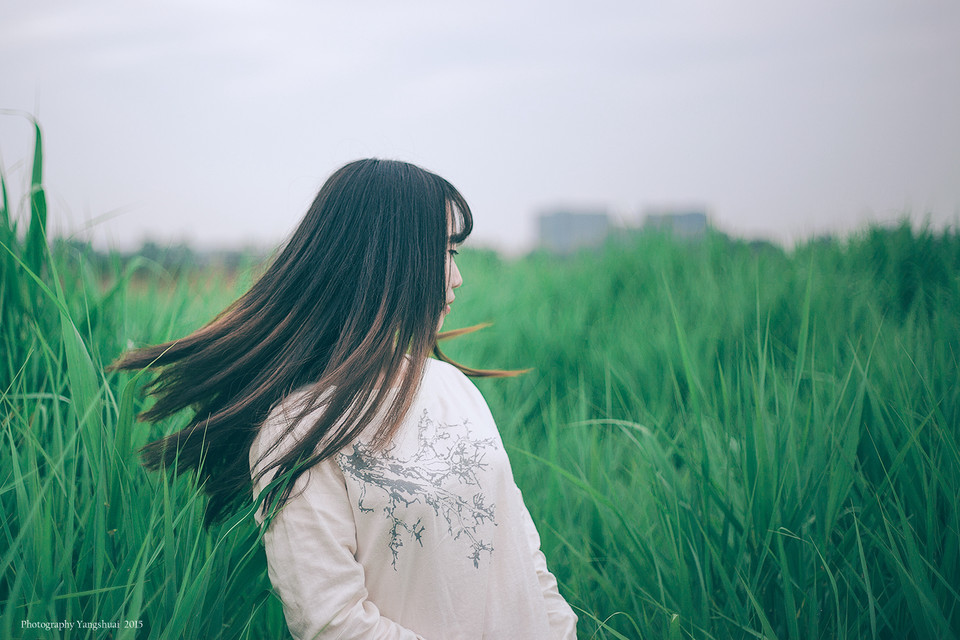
(213, 123)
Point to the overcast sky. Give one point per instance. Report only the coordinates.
(216, 122)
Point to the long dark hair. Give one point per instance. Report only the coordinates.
(349, 306)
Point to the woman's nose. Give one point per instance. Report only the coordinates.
(455, 278)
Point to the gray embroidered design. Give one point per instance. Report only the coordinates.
(441, 473)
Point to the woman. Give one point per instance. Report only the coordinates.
(388, 500)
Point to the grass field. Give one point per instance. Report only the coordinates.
(718, 439)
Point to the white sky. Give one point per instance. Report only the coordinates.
(215, 122)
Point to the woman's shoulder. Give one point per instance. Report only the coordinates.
(440, 372)
(274, 433)
(444, 389)
(446, 385)
(446, 379)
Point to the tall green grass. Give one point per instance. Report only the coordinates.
(724, 440)
(719, 440)
(87, 536)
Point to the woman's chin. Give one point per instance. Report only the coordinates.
(443, 316)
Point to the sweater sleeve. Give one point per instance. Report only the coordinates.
(563, 621)
(310, 546)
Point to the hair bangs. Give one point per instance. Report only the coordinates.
(461, 217)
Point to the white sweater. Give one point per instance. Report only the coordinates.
(427, 538)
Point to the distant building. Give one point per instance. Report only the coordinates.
(566, 231)
(683, 223)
